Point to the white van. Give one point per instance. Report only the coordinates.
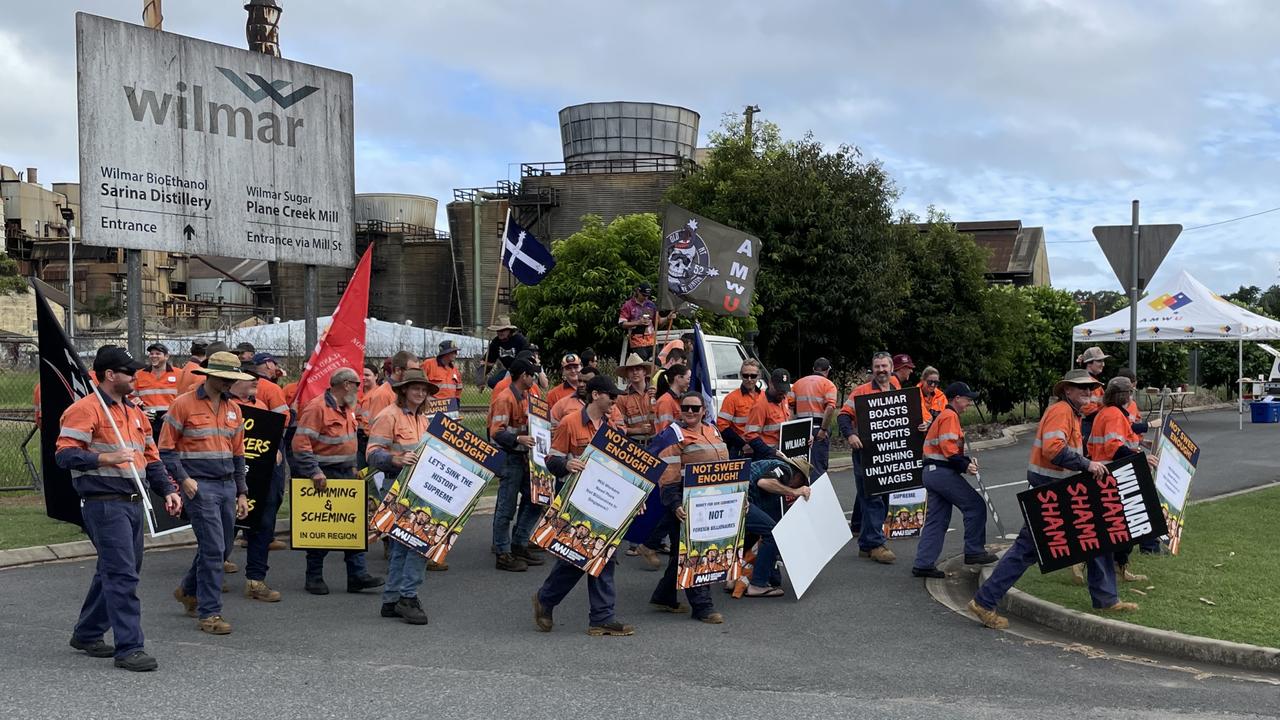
(724, 359)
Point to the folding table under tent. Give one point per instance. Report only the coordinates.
(1183, 309)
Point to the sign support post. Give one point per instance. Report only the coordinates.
(133, 300)
(1133, 292)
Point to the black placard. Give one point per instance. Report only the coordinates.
(262, 432)
(796, 437)
(1076, 518)
(892, 444)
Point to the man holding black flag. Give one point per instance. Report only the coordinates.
(1058, 452)
(105, 442)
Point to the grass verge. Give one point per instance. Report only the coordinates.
(23, 523)
(1229, 555)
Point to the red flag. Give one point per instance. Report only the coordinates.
(342, 344)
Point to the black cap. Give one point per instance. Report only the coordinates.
(602, 384)
(245, 347)
(822, 364)
(158, 346)
(198, 348)
(250, 368)
(114, 357)
(522, 366)
(959, 389)
(644, 289)
(781, 380)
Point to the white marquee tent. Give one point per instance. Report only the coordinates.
(382, 339)
(1183, 309)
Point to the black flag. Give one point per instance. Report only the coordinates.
(708, 264)
(63, 380)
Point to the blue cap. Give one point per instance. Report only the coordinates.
(263, 357)
(959, 389)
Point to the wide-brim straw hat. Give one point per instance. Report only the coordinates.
(634, 360)
(802, 465)
(1091, 354)
(504, 323)
(414, 375)
(223, 365)
(1079, 378)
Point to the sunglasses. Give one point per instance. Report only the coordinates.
(691, 408)
(934, 383)
(125, 371)
(749, 376)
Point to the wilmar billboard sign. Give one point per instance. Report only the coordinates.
(189, 146)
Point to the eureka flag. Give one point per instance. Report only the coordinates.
(526, 258)
(708, 264)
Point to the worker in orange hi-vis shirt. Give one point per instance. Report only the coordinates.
(932, 399)
(384, 395)
(570, 368)
(736, 407)
(814, 397)
(443, 373)
(869, 510)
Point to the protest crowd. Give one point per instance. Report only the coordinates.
(181, 431)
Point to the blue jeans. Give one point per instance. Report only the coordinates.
(513, 503)
(260, 538)
(874, 509)
(1101, 572)
(665, 592)
(820, 456)
(213, 518)
(764, 572)
(405, 572)
(600, 590)
(112, 602)
(946, 489)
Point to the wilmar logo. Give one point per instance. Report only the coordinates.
(267, 89)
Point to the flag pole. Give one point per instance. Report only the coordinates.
(497, 282)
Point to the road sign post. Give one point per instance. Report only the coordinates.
(1135, 253)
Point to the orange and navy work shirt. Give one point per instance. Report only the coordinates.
(700, 443)
(569, 440)
(1094, 404)
(931, 405)
(573, 404)
(848, 418)
(157, 390)
(1058, 450)
(637, 413)
(944, 443)
(665, 412)
(396, 430)
(203, 442)
(272, 397)
(764, 425)
(447, 377)
(374, 402)
(188, 380)
(509, 419)
(505, 383)
(86, 433)
(813, 395)
(734, 410)
(326, 437)
(560, 392)
(1111, 433)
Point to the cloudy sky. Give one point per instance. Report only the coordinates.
(1056, 112)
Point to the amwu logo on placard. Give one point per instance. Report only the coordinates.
(202, 115)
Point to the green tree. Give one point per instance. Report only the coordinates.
(1048, 341)
(597, 269)
(1099, 303)
(10, 281)
(830, 281)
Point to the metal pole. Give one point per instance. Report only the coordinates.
(310, 283)
(1133, 293)
(133, 301)
(71, 281)
(1240, 385)
(476, 301)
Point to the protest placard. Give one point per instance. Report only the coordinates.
(589, 516)
(905, 518)
(892, 445)
(542, 483)
(449, 406)
(328, 519)
(432, 499)
(1179, 455)
(715, 504)
(811, 533)
(1079, 517)
(795, 438)
(263, 430)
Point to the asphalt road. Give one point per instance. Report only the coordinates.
(865, 641)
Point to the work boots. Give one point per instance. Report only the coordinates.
(258, 590)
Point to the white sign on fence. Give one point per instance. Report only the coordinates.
(190, 146)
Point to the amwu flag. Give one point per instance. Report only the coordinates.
(708, 264)
(63, 380)
(342, 344)
(527, 259)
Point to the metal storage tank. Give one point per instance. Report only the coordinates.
(627, 131)
(396, 208)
